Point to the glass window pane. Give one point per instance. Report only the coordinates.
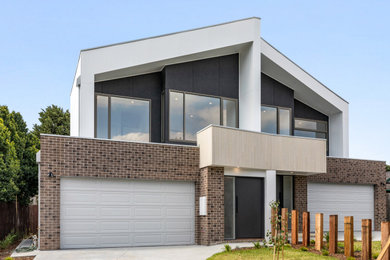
(229, 207)
(129, 119)
(101, 117)
(311, 125)
(321, 126)
(309, 134)
(284, 121)
(268, 119)
(200, 111)
(229, 113)
(176, 116)
(305, 124)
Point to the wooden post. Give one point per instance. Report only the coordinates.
(333, 230)
(366, 239)
(385, 234)
(274, 214)
(319, 232)
(348, 236)
(306, 229)
(294, 227)
(284, 224)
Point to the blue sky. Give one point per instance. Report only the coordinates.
(344, 44)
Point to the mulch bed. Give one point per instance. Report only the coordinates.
(8, 251)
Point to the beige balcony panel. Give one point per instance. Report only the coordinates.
(230, 147)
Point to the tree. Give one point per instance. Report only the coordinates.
(53, 120)
(21, 178)
(9, 165)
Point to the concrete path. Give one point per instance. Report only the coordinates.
(193, 252)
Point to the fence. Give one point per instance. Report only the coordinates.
(23, 218)
(366, 229)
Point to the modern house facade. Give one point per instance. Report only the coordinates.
(186, 138)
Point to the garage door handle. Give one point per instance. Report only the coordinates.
(236, 204)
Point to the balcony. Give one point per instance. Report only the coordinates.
(231, 147)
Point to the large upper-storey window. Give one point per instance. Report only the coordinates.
(121, 118)
(189, 113)
(311, 128)
(276, 120)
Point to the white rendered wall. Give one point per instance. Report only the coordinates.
(74, 104)
(250, 86)
(270, 196)
(339, 134)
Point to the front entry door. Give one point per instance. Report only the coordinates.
(249, 207)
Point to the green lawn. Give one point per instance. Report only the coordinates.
(290, 253)
(376, 246)
(266, 253)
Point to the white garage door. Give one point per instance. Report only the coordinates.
(342, 200)
(112, 213)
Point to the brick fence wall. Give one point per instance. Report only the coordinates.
(352, 171)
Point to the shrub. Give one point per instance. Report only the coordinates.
(257, 245)
(287, 245)
(375, 255)
(303, 249)
(351, 258)
(228, 248)
(326, 236)
(8, 258)
(9, 240)
(312, 242)
(325, 252)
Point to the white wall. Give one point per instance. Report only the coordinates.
(75, 103)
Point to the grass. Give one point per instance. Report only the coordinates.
(289, 253)
(266, 253)
(376, 246)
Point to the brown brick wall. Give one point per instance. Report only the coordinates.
(212, 186)
(300, 196)
(67, 156)
(353, 171)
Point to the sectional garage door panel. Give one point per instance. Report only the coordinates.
(112, 213)
(342, 200)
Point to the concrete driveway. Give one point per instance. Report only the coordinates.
(194, 252)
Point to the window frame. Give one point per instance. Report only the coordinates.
(311, 130)
(184, 112)
(314, 131)
(109, 114)
(277, 119)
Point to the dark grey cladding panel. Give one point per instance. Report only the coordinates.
(215, 76)
(275, 93)
(146, 86)
(304, 111)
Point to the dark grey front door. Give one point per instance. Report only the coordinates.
(249, 207)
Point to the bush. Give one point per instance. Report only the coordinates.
(326, 236)
(375, 255)
(351, 258)
(9, 239)
(257, 245)
(8, 258)
(228, 248)
(325, 252)
(303, 249)
(312, 242)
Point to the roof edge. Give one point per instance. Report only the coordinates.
(168, 34)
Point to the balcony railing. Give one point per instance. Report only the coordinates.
(231, 147)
